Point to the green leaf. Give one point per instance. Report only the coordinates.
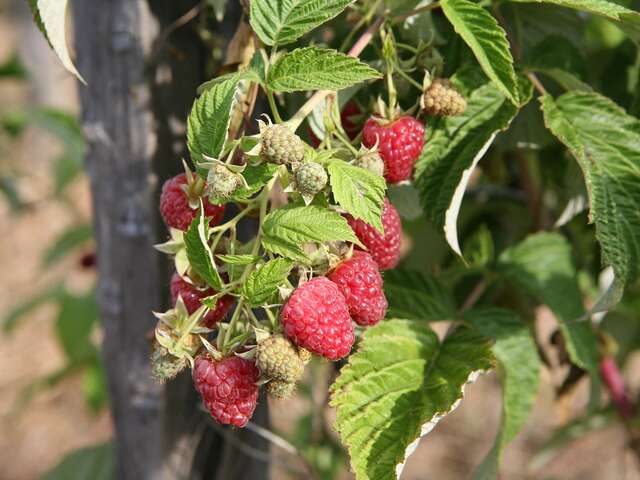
(238, 259)
(542, 266)
(264, 281)
(279, 22)
(97, 463)
(13, 67)
(517, 355)
(53, 17)
(256, 176)
(455, 147)
(406, 199)
(33, 5)
(314, 68)
(487, 40)
(196, 241)
(604, 141)
(629, 20)
(208, 122)
(557, 58)
(74, 324)
(54, 293)
(359, 191)
(396, 387)
(415, 296)
(70, 240)
(94, 386)
(287, 229)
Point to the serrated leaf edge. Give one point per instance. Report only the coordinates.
(430, 425)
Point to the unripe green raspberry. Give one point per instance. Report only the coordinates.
(440, 99)
(280, 389)
(221, 182)
(311, 178)
(165, 366)
(277, 358)
(280, 145)
(371, 161)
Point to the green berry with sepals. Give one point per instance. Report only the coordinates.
(279, 144)
(311, 178)
(280, 389)
(277, 358)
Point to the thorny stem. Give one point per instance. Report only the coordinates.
(364, 20)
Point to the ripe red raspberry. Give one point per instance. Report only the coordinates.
(385, 249)
(191, 297)
(399, 143)
(228, 388)
(360, 282)
(175, 209)
(316, 317)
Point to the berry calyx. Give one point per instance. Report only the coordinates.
(228, 388)
(280, 145)
(222, 182)
(192, 296)
(440, 99)
(399, 144)
(384, 248)
(165, 366)
(277, 358)
(360, 282)
(311, 178)
(179, 202)
(316, 317)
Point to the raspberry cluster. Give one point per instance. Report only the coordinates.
(339, 292)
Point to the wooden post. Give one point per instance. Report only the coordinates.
(141, 84)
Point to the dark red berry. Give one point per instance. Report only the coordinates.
(192, 295)
(385, 249)
(316, 317)
(399, 144)
(228, 388)
(175, 209)
(359, 280)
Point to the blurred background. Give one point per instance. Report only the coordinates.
(54, 416)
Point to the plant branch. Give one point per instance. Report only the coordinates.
(537, 84)
(320, 95)
(417, 11)
(475, 295)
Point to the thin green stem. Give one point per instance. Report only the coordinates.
(273, 106)
(233, 222)
(345, 141)
(233, 321)
(409, 79)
